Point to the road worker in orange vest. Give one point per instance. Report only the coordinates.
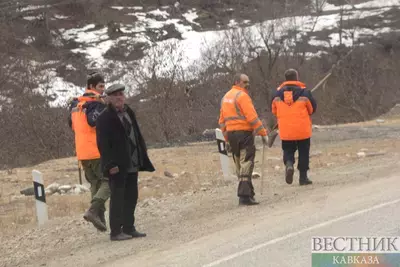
(84, 113)
(240, 124)
(293, 105)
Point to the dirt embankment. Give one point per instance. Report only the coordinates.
(178, 207)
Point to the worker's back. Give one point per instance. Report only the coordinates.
(238, 113)
(293, 106)
(85, 135)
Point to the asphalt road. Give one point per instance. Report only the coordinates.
(282, 236)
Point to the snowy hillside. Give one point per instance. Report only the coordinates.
(159, 28)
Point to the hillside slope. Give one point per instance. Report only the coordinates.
(116, 36)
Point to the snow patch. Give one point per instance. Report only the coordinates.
(160, 13)
(315, 42)
(145, 23)
(56, 87)
(190, 16)
(140, 15)
(232, 23)
(60, 16)
(70, 67)
(81, 35)
(379, 4)
(30, 18)
(118, 7)
(95, 53)
(29, 40)
(127, 7)
(29, 8)
(187, 52)
(370, 4)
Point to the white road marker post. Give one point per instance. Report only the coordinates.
(40, 196)
(223, 155)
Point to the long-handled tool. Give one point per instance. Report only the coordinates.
(273, 133)
(80, 171)
(262, 170)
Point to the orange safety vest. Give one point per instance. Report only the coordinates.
(238, 114)
(294, 121)
(85, 135)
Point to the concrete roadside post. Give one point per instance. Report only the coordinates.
(40, 196)
(223, 155)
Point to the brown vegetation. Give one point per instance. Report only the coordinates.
(177, 105)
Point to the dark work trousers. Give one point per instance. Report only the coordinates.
(289, 148)
(123, 200)
(244, 152)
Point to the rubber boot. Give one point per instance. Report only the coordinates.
(92, 215)
(289, 172)
(303, 180)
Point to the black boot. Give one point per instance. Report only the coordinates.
(303, 180)
(120, 237)
(247, 201)
(289, 172)
(136, 234)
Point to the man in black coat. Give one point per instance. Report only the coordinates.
(123, 154)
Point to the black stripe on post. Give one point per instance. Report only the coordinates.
(39, 188)
(222, 147)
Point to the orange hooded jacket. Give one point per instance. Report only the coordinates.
(85, 135)
(288, 83)
(293, 106)
(237, 113)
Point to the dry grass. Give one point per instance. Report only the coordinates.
(196, 167)
(20, 213)
(387, 122)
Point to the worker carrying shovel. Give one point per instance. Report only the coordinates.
(293, 106)
(84, 113)
(240, 123)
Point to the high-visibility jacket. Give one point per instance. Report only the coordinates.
(289, 83)
(237, 113)
(85, 135)
(293, 106)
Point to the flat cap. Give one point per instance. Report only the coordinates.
(115, 88)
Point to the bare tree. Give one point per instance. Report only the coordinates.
(162, 92)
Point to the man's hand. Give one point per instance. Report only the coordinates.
(114, 170)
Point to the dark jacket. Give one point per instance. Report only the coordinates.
(113, 142)
(93, 110)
